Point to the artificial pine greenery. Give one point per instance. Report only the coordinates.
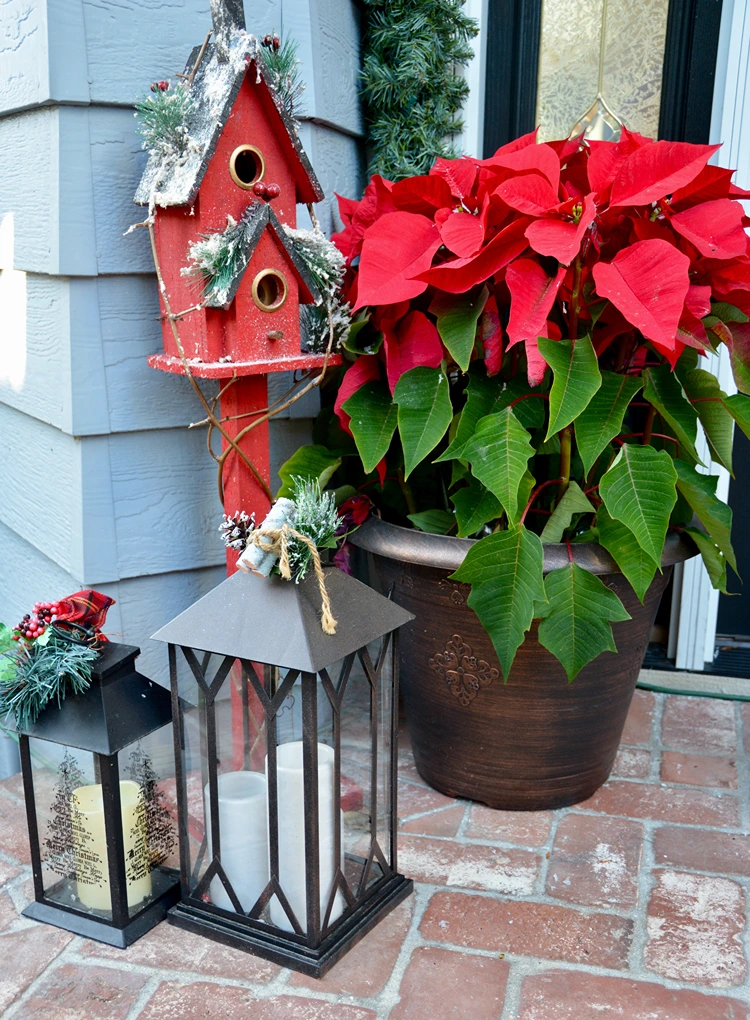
(217, 258)
(410, 85)
(316, 517)
(162, 116)
(282, 64)
(48, 670)
(325, 264)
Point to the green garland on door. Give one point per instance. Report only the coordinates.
(411, 87)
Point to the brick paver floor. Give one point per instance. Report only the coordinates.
(630, 906)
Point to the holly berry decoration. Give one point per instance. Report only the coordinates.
(266, 191)
(272, 42)
(159, 86)
(34, 624)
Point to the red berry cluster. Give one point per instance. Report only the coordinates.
(267, 191)
(271, 42)
(159, 86)
(33, 626)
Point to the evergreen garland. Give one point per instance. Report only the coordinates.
(410, 85)
(48, 670)
(162, 116)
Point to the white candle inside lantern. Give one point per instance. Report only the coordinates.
(291, 814)
(243, 831)
(90, 845)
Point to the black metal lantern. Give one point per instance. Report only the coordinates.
(285, 740)
(100, 827)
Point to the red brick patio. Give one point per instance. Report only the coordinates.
(629, 906)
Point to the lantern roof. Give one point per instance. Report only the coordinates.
(278, 622)
(175, 179)
(119, 707)
(261, 216)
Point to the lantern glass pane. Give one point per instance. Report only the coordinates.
(147, 795)
(70, 823)
(385, 707)
(224, 749)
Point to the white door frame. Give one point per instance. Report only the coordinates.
(695, 604)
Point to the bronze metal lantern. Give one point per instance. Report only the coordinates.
(101, 830)
(285, 740)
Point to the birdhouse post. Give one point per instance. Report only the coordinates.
(223, 193)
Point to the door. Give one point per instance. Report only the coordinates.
(652, 62)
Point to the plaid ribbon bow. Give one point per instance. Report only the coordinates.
(86, 610)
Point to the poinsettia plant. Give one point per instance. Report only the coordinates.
(528, 364)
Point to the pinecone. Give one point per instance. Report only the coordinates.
(235, 529)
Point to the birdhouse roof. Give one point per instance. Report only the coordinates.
(260, 217)
(173, 179)
(278, 622)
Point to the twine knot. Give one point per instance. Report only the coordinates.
(276, 542)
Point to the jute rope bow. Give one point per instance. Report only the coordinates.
(276, 541)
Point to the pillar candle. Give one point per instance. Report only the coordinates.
(292, 856)
(243, 832)
(90, 845)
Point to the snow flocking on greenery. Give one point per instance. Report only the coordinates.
(218, 258)
(316, 517)
(326, 265)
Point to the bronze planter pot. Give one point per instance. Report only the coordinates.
(536, 742)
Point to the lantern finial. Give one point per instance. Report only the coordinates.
(226, 15)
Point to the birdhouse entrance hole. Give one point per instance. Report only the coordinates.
(246, 166)
(269, 290)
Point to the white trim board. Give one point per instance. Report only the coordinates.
(695, 604)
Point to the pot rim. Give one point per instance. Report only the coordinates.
(444, 552)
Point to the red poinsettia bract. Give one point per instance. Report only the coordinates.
(628, 242)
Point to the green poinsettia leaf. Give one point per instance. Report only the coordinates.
(713, 558)
(475, 506)
(573, 501)
(313, 463)
(601, 421)
(639, 490)
(529, 409)
(716, 517)
(738, 406)
(662, 389)
(576, 378)
(707, 397)
(482, 398)
(457, 316)
(374, 417)
(728, 313)
(498, 454)
(424, 412)
(436, 522)
(623, 547)
(362, 337)
(576, 626)
(525, 489)
(505, 574)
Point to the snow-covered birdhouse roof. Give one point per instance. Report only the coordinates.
(173, 178)
(244, 236)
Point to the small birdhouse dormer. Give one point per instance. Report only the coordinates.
(224, 204)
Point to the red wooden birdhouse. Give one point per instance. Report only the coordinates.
(224, 206)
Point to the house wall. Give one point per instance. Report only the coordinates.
(103, 484)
